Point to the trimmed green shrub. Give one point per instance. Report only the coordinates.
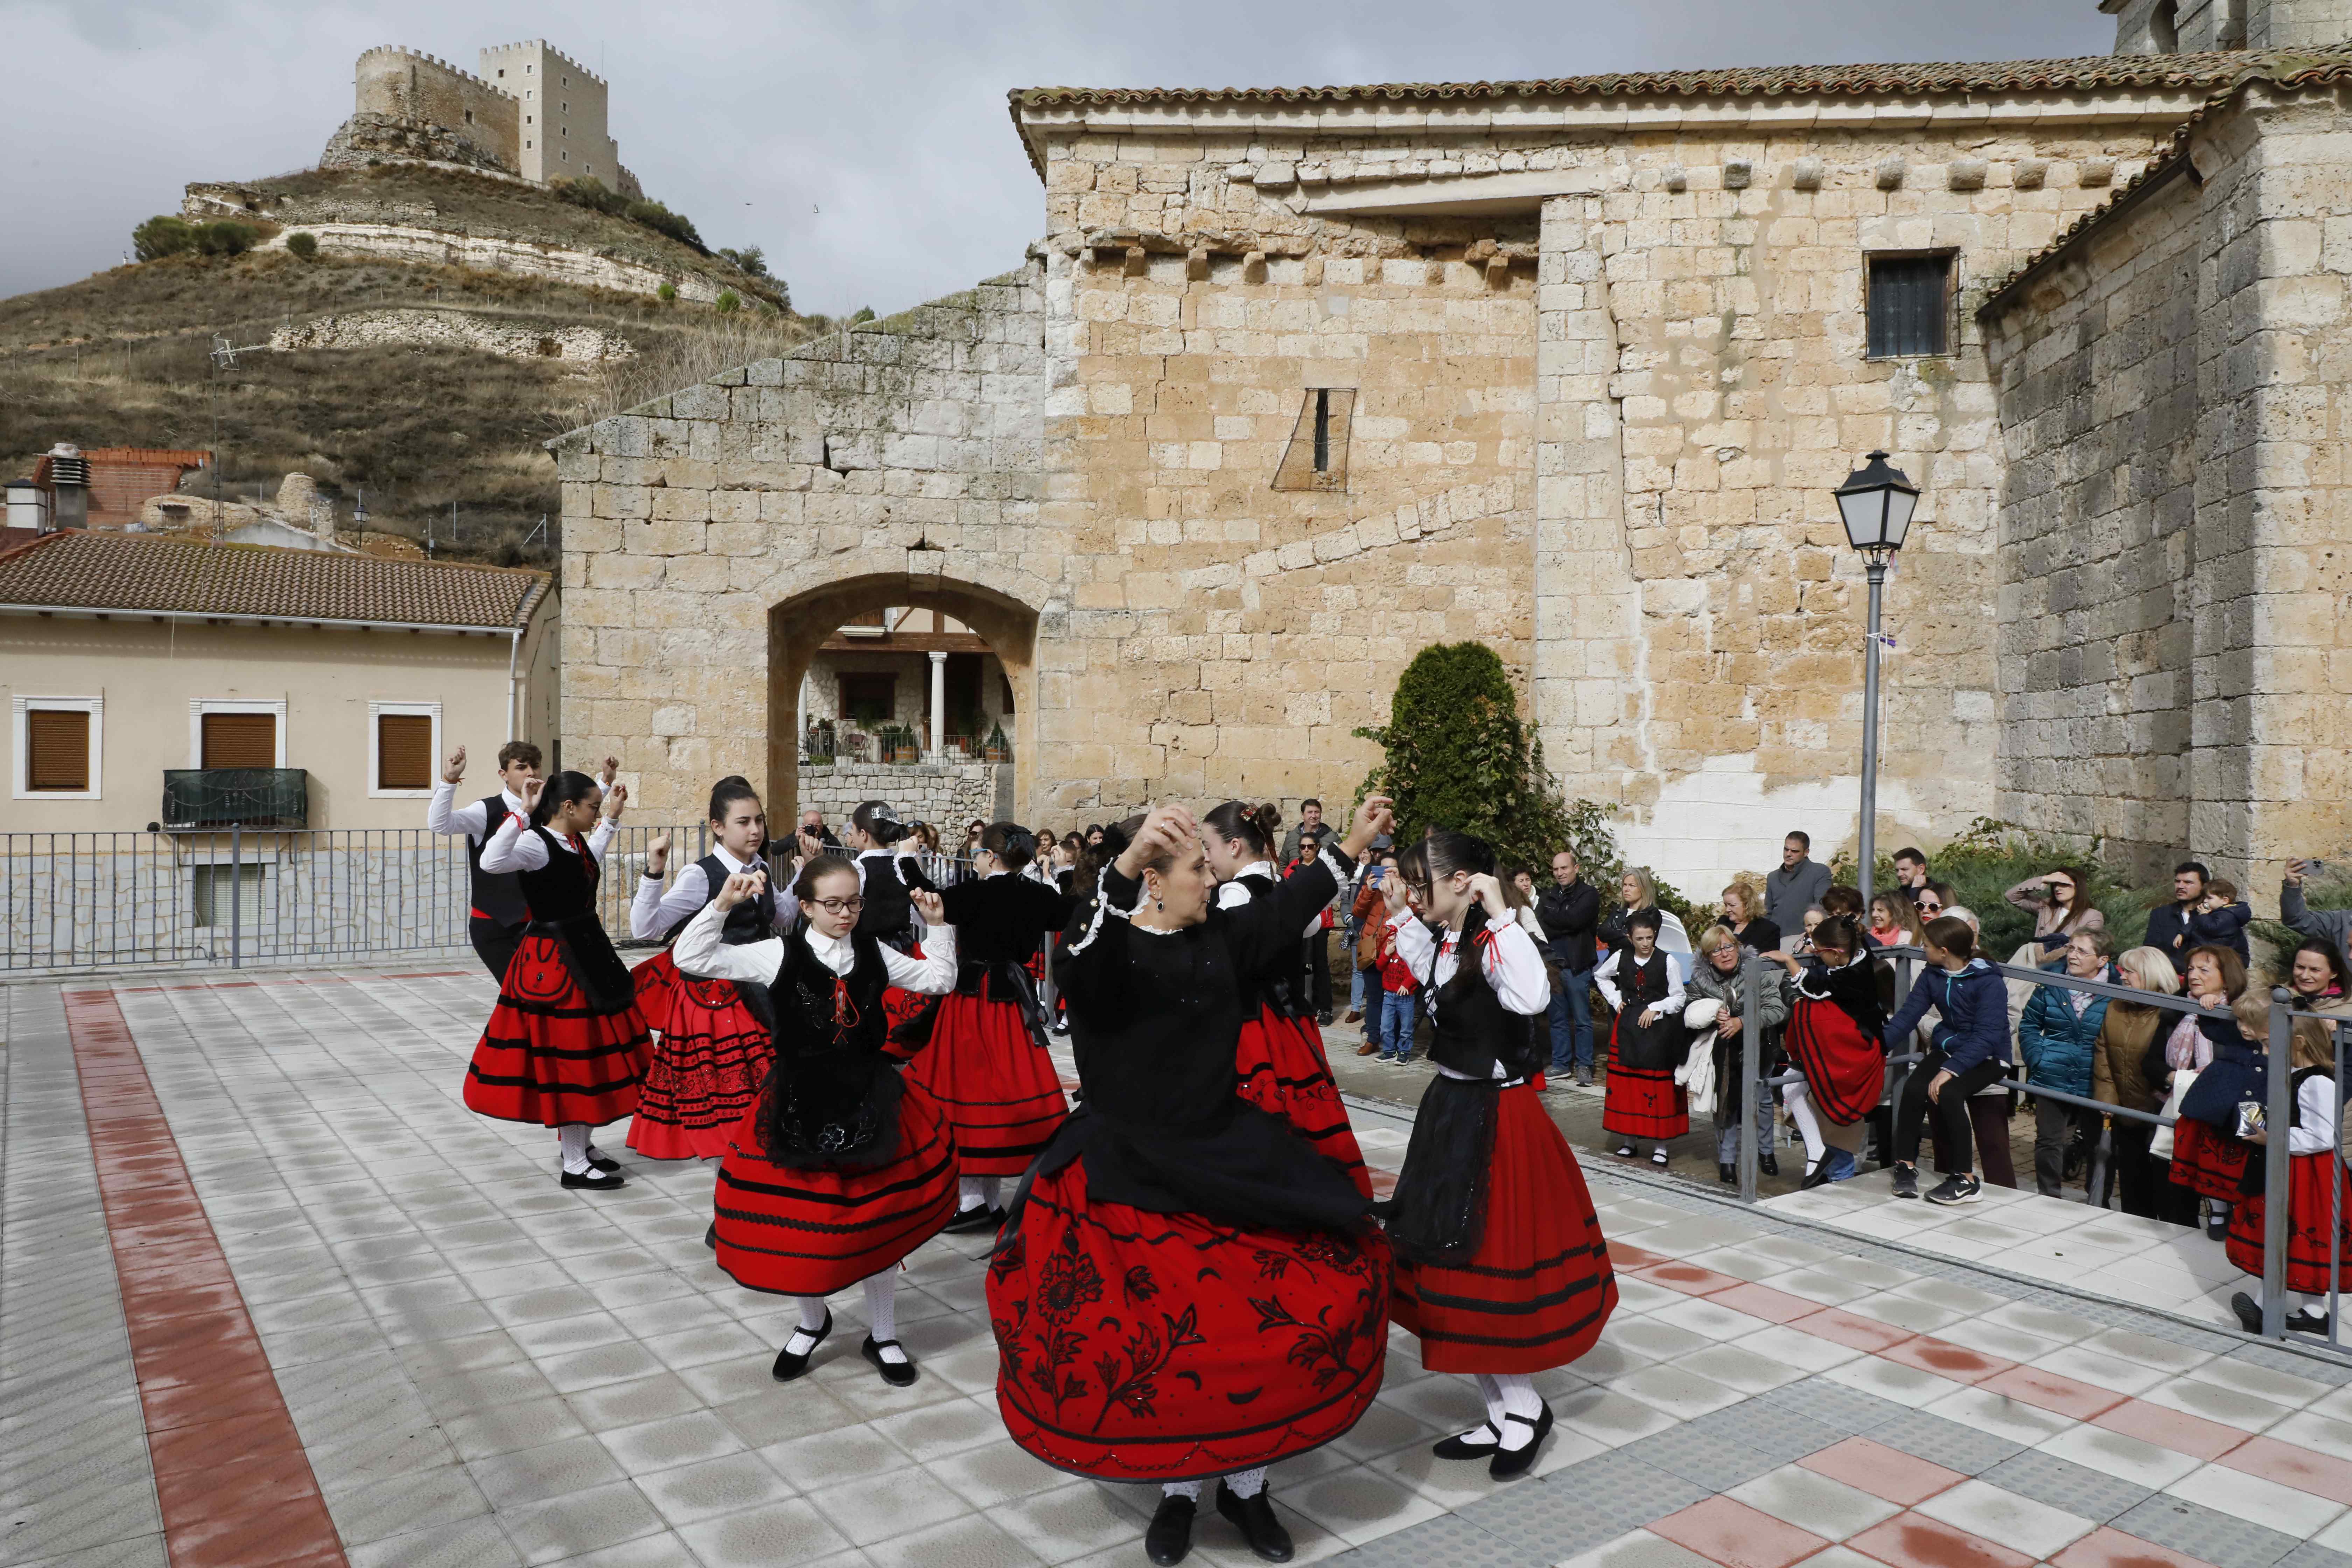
(303, 244)
(864, 314)
(728, 303)
(751, 259)
(162, 235)
(667, 293)
(226, 237)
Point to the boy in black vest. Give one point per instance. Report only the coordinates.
(496, 913)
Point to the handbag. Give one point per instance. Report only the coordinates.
(2159, 1147)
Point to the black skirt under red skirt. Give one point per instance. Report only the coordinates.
(547, 1056)
(707, 1070)
(1539, 1287)
(2310, 1209)
(1644, 1103)
(812, 1230)
(1283, 1070)
(1138, 1346)
(998, 1087)
(2208, 1160)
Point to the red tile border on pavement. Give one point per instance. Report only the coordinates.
(1957, 1363)
(1726, 1530)
(237, 1489)
(2107, 1547)
(2174, 1429)
(2067, 1397)
(1915, 1540)
(1883, 1472)
(2321, 1475)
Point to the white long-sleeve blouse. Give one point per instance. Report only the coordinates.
(701, 951)
(1231, 893)
(652, 913)
(444, 816)
(512, 849)
(1605, 977)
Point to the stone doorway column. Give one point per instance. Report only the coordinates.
(939, 700)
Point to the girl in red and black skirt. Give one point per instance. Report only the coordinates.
(1184, 1287)
(2320, 1199)
(1279, 1059)
(986, 1062)
(1501, 1268)
(713, 1052)
(2208, 1157)
(888, 875)
(1647, 1041)
(565, 1047)
(1835, 1040)
(841, 1167)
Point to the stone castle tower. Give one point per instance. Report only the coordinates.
(2189, 27)
(530, 110)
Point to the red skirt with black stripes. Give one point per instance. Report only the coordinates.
(1644, 1102)
(801, 1230)
(1539, 1289)
(996, 1084)
(1137, 1346)
(2208, 1161)
(547, 1056)
(1283, 1071)
(2312, 1211)
(706, 1070)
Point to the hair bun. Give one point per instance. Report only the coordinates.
(1268, 819)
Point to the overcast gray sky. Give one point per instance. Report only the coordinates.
(865, 147)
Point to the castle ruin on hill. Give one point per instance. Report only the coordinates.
(531, 112)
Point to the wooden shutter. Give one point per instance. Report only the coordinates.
(403, 751)
(240, 741)
(57, 750)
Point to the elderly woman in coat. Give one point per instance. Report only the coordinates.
(1719, 975)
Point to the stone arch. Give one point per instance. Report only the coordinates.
(802, 620)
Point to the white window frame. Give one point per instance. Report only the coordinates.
(375, 735)
(200, 705)
(93, 706)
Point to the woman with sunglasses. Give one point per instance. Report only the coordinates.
(842, 1167)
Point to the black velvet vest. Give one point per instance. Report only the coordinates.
(1474, 1030)
(497, 894)
(753, 919)
(831, 1098)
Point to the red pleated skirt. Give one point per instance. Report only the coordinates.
(2310, 1208)
(2208, 1160)
(899, 1004)
(547, 1056)
(1644, 1103)
(1149, 1347)
(997, 1086)
(1283, 1070)
(1538, 1291)
(655, 979)
(707, 1070)
(810, 1231)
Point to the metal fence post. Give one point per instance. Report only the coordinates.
(2277, 1119)
(1751, 1035)
(236, 895)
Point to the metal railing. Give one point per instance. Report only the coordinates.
(2278, 1108)
(228, 797)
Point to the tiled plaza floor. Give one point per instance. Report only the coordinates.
(479, 1368)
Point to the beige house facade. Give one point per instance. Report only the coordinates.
(1298, 382)
(329, 686)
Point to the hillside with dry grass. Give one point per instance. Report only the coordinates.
(121, 359)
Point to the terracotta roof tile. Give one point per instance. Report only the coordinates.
(76, 569)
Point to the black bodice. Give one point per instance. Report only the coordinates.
(1474, 1030)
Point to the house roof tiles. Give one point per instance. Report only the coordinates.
(80, 570)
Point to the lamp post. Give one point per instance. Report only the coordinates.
(1876, 502)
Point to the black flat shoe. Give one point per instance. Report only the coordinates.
(593, 1181)
(1769, 1164)
(1819, 1176)
(1253, 1517)
(1169, 1539)
(600, 1161)
(1625, 1150)
(1725, 1173)
(1465, 1444)
(789, 1366)
(896, 1373)
(1510, 1462)
(986, 1216)
(1658, 1158)
(2249, 1310)
(710, 1237)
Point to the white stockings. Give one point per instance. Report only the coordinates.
(572, 1137)
(978, 1193)
(1809, 1125)
(1244, 1484)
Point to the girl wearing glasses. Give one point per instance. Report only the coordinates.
(841, 1167)
(1184, 1290)
(987, 1063)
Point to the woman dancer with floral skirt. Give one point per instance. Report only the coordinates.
(565, 1047)
(713, 1052)
(841, 1168)
(1501, 1268)
(1184, 1287)
(1280, 1058)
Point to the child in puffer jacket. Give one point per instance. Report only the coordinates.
(1969, 1049)
(2058, 1037)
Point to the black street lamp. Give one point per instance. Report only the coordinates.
(1876, 502)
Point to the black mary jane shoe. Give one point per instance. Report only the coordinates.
(1169, 1539)
(593, 1181)
(710, 1237)
(1725, 1173)
(1510, 1462)
(1767, 1165)
(1625, 1150)
(789, 1366)
(986, 1216)
(896, 1373)
(1466, 1445)
(600, 1161)
(1819, 1176)
(1253, 1517)
(1658, 1158)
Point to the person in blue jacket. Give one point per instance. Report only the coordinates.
(2058, 1037)
(1969, 1049)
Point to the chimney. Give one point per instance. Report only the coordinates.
(69, 479)
(28, 506)
(322, 519)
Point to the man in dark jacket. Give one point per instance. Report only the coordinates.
(2330, 925)
(1569, 910)
(1969, 1049)
(2169, 926)
(1795, 885)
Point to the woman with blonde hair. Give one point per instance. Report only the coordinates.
(2119, 1078)
(1743, 914)
(1638, 889)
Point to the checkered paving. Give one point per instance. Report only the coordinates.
(483, 1369)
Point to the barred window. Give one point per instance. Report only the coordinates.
(1910, 305)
